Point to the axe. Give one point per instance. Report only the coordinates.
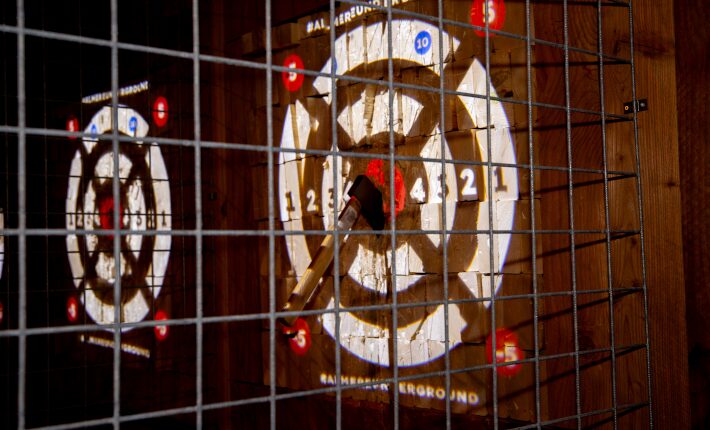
(366, 200)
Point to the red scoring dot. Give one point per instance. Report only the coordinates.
(72, 309)
(106, 213)
(2, 312)
(507, 350)
(496, 15)
(160, 111)
(378, 172)
(72, 125)
(292, 80)
(299, 336)
(161, 331)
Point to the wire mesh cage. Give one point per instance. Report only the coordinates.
(320, 214)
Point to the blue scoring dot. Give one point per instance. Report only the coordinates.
(422, 43)
(132, 124)
(94, 130)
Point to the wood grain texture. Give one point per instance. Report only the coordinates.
(692, 78)
(659, 173)
(658, 140)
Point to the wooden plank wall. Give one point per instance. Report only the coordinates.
(655, 74)
(657, 134)
(692, 78)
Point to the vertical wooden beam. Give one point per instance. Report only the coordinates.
(692, 78)
(658, 139)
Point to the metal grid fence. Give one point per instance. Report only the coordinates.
(23, 233)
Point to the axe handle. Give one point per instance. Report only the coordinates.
(301, 294)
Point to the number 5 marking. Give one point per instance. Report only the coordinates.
(491, 11)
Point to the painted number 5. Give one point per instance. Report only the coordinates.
(491, 10)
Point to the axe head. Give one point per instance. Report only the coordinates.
(370, 199)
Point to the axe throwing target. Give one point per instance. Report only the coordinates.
(305, 187)
(144, 207)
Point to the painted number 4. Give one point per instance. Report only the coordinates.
(418, 194)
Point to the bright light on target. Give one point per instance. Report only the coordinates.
(144, 206)
(306, 199)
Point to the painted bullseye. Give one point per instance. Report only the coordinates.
(106, 213)
(378, 172)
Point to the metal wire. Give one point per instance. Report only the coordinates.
(22, 216)
(200, 321)
(610, 282)
(570, 195)
(639, 194)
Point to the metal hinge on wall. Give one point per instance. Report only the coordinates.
(640, 106)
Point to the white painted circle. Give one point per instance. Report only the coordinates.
(140, 213)
(298, 127)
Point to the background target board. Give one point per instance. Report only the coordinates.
(145, 204)
(307, 184)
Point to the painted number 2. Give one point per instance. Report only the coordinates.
(311, 206)
(468, 190)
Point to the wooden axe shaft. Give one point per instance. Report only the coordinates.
(301, 294)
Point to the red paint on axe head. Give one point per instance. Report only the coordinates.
(378, 172)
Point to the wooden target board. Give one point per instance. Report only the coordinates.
(306, 185)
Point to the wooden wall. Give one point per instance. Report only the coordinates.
(693, 84)
(655, 73)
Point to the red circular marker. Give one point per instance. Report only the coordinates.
(292, 80)
(72, 309)
(378, 172)
(299, 336)
(161, 331)
(106, 213)
(160, 111)
(507, 350)
(72, 125)
(496, 15)
(2, 312)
